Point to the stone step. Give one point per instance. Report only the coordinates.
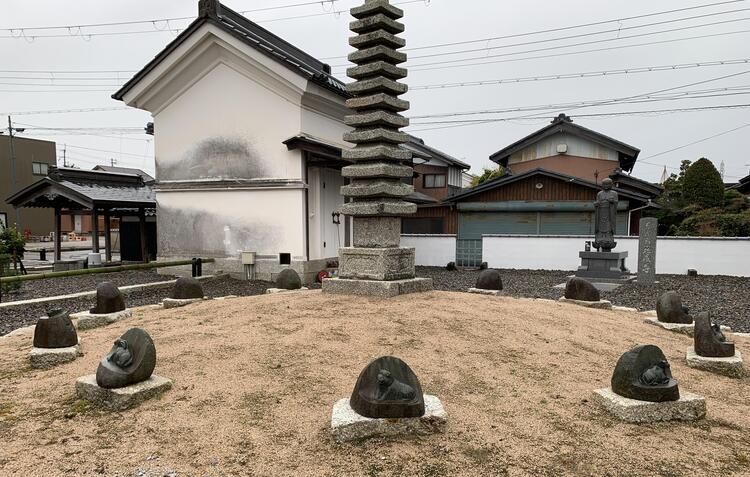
(379, 84)
(377, 101)
(380, 135)
(379, 68)
(377, 188)
(377, 169)
(377, 22)
(375, 53)
(375, 38)
(376, 153)
(383, 208)
(375, 7)
(376, 118)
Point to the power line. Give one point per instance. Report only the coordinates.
(108, 150)
(56, 111)
(414, 68)
(588, 74)
(697, 142)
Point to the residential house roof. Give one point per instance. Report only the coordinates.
(743, 185)
(626, 181)
(77, 189)
(511, 178)
(125, 170)
(563, 124)
(214, 13)
(418, 146)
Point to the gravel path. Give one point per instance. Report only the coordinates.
(17, 317)
(726, 298)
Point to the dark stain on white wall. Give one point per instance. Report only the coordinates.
(215, 157)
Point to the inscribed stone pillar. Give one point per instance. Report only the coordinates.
(647, 250)
(376, 264)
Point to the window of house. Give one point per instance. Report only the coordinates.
(3, 220)
(39, 168)
(434, 181)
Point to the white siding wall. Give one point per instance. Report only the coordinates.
(432, 250)
(576, 147)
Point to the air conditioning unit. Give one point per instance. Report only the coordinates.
(562, 148)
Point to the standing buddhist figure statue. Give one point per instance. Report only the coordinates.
(605, 217)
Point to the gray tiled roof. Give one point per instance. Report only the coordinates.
(109, 192)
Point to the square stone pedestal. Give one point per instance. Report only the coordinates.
(376, 288)
(684, 328)
(347, 425)
(360, 263)
(175, 303)
(120, 398)
(87, 320)
(46, 358)
(481, 291)
(690, 407)
(603, 265)
(731, 366)
(601, 304)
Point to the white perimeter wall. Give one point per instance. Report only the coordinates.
(432, 250)
(674, 255)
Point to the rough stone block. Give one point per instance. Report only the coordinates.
(377, 101)
(378, 169)
(625, 309)
(686, 329)
(376, 288)
(690, 407)
(87, 320)
(377, 22)
(601, 304)
(602, 265)
(347, 425)
(377, 188)
(271, 291)
(393, 208)
(731, 366)
(377, 37)
(481, 291)
(374, 7)
(377, 118)
(46, 358)
(175, 303)
(119, 399)
(376, 263)
(374, 232)
(379, 68)
(378, 135)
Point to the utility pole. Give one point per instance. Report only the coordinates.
(65, 160)
(112, 161)
(13, 171)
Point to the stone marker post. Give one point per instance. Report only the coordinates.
(647, 251)
(376, 264)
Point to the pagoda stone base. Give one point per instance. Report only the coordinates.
(377, 288)
(359, 263)
(603, 265)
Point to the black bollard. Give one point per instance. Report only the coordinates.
(43, 254)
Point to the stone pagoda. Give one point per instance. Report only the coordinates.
(376, 265)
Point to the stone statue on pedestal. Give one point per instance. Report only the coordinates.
(605, 217)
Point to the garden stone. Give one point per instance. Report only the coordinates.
(669, 309)
(288, 279)
(451, 267)
(581, 290)
(489, 280)
(55, 331)
(108, 299)
(709, 340)
(388, 388)
(643, 374)
(187, 288)
(131, 360)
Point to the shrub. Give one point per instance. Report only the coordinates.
(703, 185)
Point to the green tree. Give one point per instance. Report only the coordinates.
(487, 174)
(702, 185)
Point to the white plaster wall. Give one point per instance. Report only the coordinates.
(674, 255)
(266, 221)
(431, 250)
(227, 109)
(576, 147)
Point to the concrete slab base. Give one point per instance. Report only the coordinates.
(46, 358)
(120, 398)
(625, 308)
(690, 407)
(601, 286)
(271, 291)
(174, 303)
(481, 291)
(601, 304)
(376, 288)
(686, 329)
(731, 367)
(347, 425)
(87, 320)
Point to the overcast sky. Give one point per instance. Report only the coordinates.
(428, 23)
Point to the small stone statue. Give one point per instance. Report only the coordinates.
(669, 309)
(387, 388)
(131, 360)
(489, 280)
(709, 341)
(108, 299)
(577, 288)
(656, 375)
(55, 331)
(643, 373)
(605, 217)
(187, 288)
